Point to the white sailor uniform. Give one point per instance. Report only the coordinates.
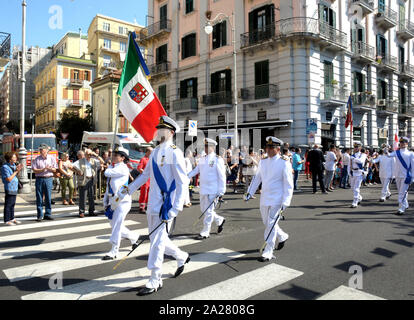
(117, 177)
(356, 175)
(212, 184)
(171, 164)
(385, 173)
(275, 175)
(400, 174)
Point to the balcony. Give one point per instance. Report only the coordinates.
(159, 69)
(51, 83)
(362, 52)
(333, 96)
(405, 30)
(367, 6)
(217, 100)
(333, 39)
(185, 105)
(406, 71)
(154, 30)
(387, 107)
(405, 111)
(259, 94)
(108, 50)
(386, 17)
(256, 37)
(363, 101)
(111, 66)
(115, 34)
(387, 63)
(76, 103)
(76, 83)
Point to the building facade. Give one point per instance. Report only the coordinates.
(63, 86)
(298, 62)
(4, 98)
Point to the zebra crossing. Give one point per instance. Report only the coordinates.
(97, 231)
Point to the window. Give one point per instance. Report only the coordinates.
(106, 27)
(162, 94)
(327, 15)
(107, 61)
(122, 46)
(107, 43)
(189, 6)
(123, 30)
(402, 96)
(328, 78)
(261, 79)
(188, 46)
(188, 88)
(163, 17)
(381, 89)
(358, 82)
(261, 18)
(382, 46)
(220, 35)
(161, 54)
(86, 75)
(221, 81)
(401, 55)
(75, 75)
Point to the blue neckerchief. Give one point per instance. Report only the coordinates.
(166, 206)
(358, 164)
(408, 177)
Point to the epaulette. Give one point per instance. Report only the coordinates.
(286, 158)
(173, 146)
(265, 157)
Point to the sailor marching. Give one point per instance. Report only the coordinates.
(386, 168)
(169, 182)
(116, 209)
(275, 175)
(403, 172)
(356, 172)
(212, 186)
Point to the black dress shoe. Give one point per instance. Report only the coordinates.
(199, 237)
(52, 202)
(93, 214)
(381, 200)
(220, 228)
(147, 291)
(49, 218)
(39, 219)
(263, 259)
(281, 245)
(181, 269)
(107, 258)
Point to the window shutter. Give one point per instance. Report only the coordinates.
(224, 33)
(386, 47)
(65, 73)
(81, 75)
(183, 48)
(228, 80)
(353, 82)
(333, 18)
(195, 88)
(72, 74)
(86, 95)
(251, 21)
(363, 82)
(183, 89)
(321, 9)
(65, 93)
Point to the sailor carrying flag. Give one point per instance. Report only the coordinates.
(275, 175)
(169, 182)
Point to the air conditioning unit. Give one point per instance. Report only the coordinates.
(382, 102)
(379, 14)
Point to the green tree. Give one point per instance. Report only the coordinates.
(74, 125)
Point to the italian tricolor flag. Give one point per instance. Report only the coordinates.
(138, 102)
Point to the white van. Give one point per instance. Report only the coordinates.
(134, 143)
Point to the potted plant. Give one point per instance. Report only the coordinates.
(334, 82)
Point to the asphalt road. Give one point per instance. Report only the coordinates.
(327, 238)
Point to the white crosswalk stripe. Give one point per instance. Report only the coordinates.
(34, 212)
(127, 280)
(348, 293)
(246, 285)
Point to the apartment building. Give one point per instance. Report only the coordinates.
(298, 62)
(4, 98)
(63, 86)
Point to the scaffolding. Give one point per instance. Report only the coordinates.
(5, 48)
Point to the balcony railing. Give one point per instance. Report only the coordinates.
(331, 92)
(363, 99)
(258, 36)
(390, 106)
(366, 5)
(159, 68)
(407, 70)
(386, 17)
(110, 66)
(387, 62)
(218, 98)
(75, 103)
(76, 82)
(405, 109)
(363, 51)
(334, 35)
(264, 91)
(405, 29)
(185, 105)
(155, 29)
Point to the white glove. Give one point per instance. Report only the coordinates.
(247, 197)
(123, 191)
(172, 214)
(283, 208)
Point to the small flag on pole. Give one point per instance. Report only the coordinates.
(395, 142)
(349, 116)
(138, 101)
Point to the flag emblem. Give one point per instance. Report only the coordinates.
(138, 93)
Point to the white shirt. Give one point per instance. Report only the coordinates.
(386, 167)
(212, 174)
(188, 165)
(356, 160)
(330, 161)
(275, 175)
(345, 159)
(88, 167)
(171, 163)
(399, 170)
(119, 176)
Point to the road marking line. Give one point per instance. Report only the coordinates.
(82, 261)
(112, 284)
(246, 285)
(58, 232)
(29, 212)
(59, 245)
(347, 293)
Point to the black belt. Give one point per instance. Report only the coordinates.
(44, 177)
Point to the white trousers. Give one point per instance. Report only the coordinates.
(269, 214)
(355, 182)
(210, 215)
(119, 231)
(385, 187)
(161, 244)
(187, 197)
(402, 193)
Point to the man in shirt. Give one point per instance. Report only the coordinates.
(316, 160)
(386, 168)
(344, 171)
(143, 197)
(44, 167)
(330, 161)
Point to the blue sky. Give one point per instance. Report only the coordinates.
(75, 14)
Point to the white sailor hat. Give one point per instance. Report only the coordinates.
(272, 141)
(122, 152)
(211, 142)
(404, 139)
(357, 144)
(168, 123)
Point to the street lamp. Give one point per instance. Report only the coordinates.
(208, 30)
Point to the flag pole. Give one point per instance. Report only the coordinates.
(116, 124)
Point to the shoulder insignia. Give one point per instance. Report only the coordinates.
(173, 146)
(286, 158)
(265, 158)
